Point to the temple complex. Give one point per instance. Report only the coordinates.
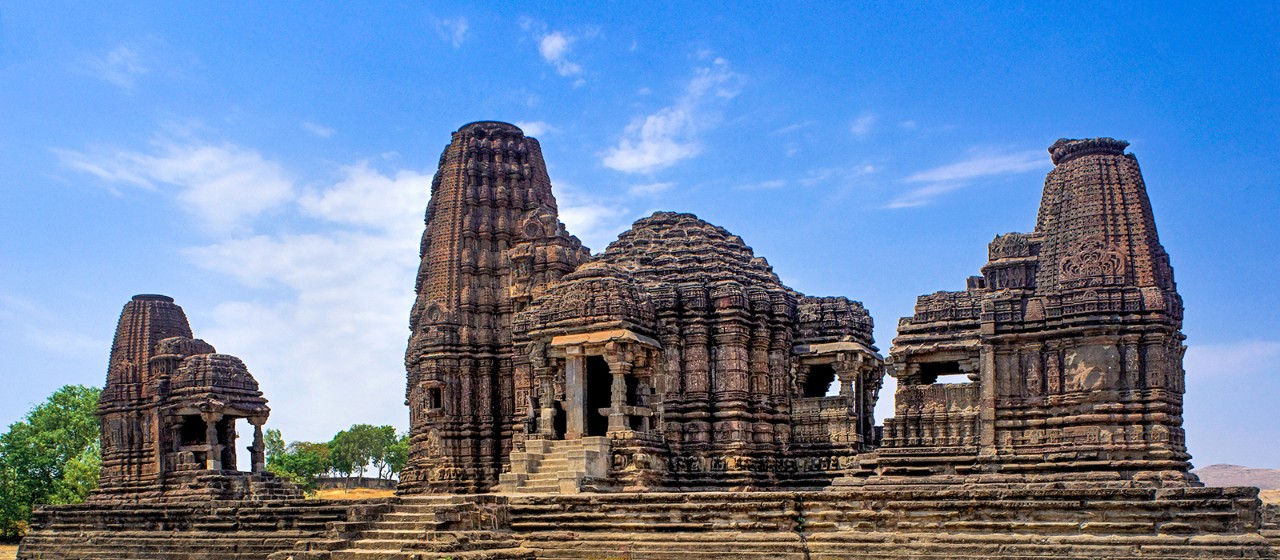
(669, 397)
(674, 359)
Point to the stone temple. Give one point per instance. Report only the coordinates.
(669, 397)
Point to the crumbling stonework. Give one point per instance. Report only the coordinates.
(169, 414)
(1065, 356)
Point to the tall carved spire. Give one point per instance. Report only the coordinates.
(1070, 339)
(492, 238)
(127, 400)
(1095, 214)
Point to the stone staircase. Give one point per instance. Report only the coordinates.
(420, 528)
(557, 466)
(660, 526)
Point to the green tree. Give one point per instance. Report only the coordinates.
(362, 446)
(275, 446)
(50, 456)
(301, 462)
(398, 454)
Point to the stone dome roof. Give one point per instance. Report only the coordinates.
(214, 372)
(595, 295)
(670, 247)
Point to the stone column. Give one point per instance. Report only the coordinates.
(575, 396)
(213, 458)
(546, 404)
(619, 368)
(258, 451)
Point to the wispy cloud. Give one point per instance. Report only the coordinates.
(649, 189)
(301, 328)
(43, 329)
(596, 220)
(1236, 359)
(453, 30)
(555, 46)
(954, 176)
(794, 127)
(121, 66)
(317, 129)
(763, 185)
(222, 185)
(863, 126)
(671, 134)
(534, 128)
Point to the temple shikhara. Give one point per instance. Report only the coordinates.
(670, 397)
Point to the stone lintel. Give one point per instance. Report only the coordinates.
(831, 347)
(597, 337)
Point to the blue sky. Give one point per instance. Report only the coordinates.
(268, 165)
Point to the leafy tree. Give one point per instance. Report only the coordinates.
(398, 454)
(275, 446)
(362, 446)
(301, 462)
(50, 456)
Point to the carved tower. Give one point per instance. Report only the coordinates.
(1068, 348)
(492, 240)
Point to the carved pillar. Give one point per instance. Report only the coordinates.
(258, 451)
(619, 368)
(546, 403)
(213, 458)
(575, 395)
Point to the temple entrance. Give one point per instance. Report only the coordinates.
(560, 422)
(599, 395)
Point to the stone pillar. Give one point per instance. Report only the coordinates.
(213, 458)
(546, 404)
(575, 394)
(987, 411)
(619, 368)
(258, 451)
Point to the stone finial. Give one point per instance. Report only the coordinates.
(1066, 149)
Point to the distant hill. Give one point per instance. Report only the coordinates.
(1235, 475)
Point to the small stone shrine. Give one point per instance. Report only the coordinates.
(169, 413)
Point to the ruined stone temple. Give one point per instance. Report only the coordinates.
(669, 397)
(169, 414)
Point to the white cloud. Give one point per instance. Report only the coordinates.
(317, 129)
(950, 177)
(332, 337)
(453, 30)
(1238, 359)
(38, 327)
(863, 125)
(794, 127)
(763, 185)
(670, 134)
(597, 222)
(534, 128)
(649, 189)
(222, 185)
(121, 66)
(554, 47)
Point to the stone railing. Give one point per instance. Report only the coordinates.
(933, 416)
(823, 420)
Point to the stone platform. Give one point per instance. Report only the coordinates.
(920, 523)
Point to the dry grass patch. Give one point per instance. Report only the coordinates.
(352, 494)
(8, 551)
(1270, 496)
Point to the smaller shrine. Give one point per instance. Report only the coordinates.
(170, 411)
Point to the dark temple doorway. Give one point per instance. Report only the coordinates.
(599, 395)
